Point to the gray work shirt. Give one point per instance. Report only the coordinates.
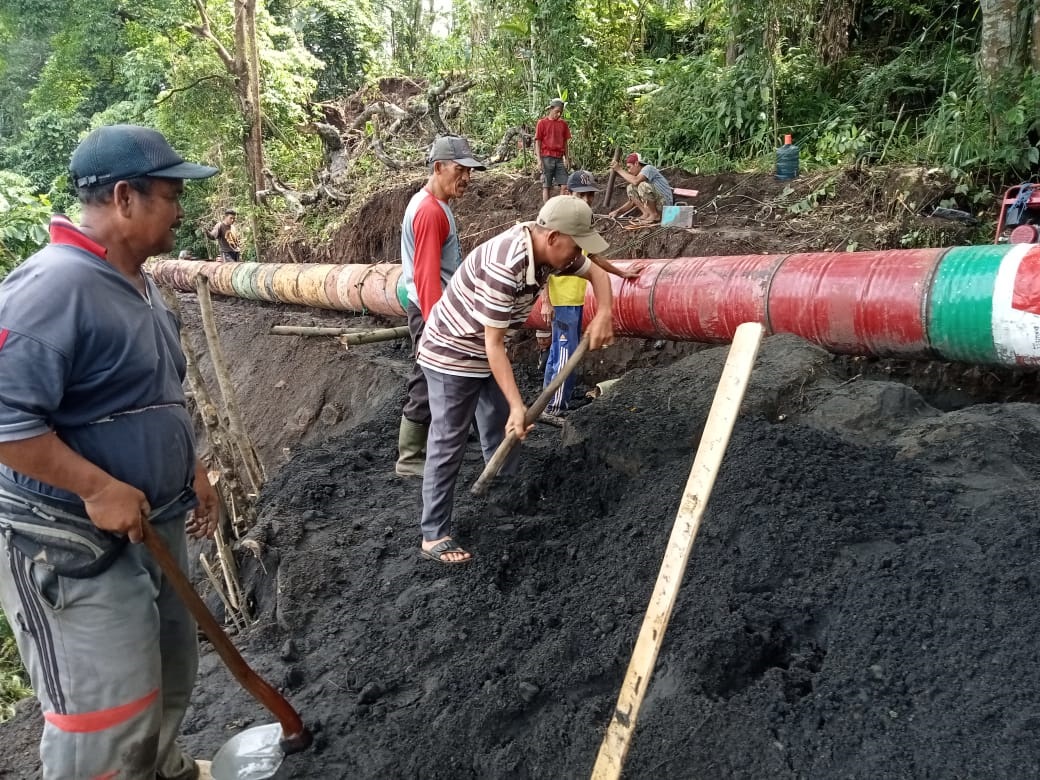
(84, 354)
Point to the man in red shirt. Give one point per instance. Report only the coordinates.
(430, 254)
(550, 147)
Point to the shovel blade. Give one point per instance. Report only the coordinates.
(253, 754)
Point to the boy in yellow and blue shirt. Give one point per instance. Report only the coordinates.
(566, 297)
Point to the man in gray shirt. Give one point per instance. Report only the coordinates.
(648, 189)
(95, 436)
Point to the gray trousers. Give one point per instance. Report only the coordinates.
(112, 660)
(455, 402)
(417, 405)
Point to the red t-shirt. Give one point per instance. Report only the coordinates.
(552, 134)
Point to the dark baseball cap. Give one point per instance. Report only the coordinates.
(456, 149)
(555, 103)
(119, 152)
(582, 181)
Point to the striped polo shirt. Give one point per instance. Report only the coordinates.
(496, 286)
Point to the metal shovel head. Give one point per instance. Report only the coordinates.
(253, 754)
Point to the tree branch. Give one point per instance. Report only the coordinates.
(171, 92)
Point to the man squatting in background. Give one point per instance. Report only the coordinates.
(564, 302)
(430, 254)
(648, 189)
(463, 352)
(95, 436)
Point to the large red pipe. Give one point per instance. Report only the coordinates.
(966, 303)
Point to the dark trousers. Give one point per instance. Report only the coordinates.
(455, 401)
(417, 405)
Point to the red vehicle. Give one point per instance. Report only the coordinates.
(1019, 220)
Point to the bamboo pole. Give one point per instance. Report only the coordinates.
(714, 440)
(250, 462)
(348, 336)
(230, 488)
(611, 178)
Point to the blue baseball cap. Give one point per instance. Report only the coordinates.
(582, 181)
(120, 152)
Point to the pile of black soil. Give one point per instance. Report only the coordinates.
(860, 602)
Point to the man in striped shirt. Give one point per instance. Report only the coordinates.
(463, 353)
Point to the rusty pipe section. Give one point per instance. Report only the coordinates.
(975, 304)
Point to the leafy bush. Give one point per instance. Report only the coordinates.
(14, 684)
(23, 220)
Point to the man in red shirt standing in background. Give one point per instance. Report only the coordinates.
(430, 254)
(550, 147)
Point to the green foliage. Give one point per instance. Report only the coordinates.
(23, 220)
(14, 685)
(341, 35)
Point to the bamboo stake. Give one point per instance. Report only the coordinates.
(714, 440)
(216, 432)
(347, 335)
(373, 336)
(611, 178)
(232, 613)
(251, 463)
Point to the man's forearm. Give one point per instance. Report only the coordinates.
(602, 290)
(48, 459)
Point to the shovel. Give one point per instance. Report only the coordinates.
(533, 411)
(256, 753)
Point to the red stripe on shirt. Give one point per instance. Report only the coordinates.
(99, 720)
(64, 232)
(3, 337)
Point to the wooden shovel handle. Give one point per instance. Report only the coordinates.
(295, 736)
(499, 458)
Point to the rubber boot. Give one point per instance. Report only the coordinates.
(411, 448)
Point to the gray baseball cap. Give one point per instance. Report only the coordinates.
(456, 149)
(555, 103)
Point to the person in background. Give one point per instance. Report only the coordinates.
(550, 147)
(96, 437)
(226, 236)
(647, 190)
(564, 304)
(430, 254)
(463, 351)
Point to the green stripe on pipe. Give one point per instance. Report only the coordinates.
(960, 311)
(402, 294)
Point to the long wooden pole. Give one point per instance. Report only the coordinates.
(714, 440)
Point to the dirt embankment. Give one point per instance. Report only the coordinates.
(860, 602)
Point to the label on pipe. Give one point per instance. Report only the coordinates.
(1016, 306)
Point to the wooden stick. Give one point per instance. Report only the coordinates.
(348, 335)
(232, 613)
(250, 461)
(714, 439)
(533, 411)
(611, 178)
(218, 435)
(296, 736)
(373, 336)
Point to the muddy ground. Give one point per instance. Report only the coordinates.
(860, 602)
